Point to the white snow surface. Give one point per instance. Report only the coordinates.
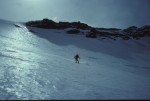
(40, 65)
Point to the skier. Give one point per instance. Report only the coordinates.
(77, 57)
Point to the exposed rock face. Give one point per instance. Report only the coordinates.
(49, 24)
(132, 32)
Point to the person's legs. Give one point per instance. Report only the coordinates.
(77, 60)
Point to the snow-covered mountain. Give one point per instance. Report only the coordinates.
(38, 63)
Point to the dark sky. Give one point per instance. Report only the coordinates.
(97, 13)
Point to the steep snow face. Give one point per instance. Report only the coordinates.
(40, 65)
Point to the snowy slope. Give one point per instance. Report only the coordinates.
(40, 65)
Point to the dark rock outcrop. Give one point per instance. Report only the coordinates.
(49, 24)
(132, 32)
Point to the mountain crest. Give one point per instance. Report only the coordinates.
(132, 32)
